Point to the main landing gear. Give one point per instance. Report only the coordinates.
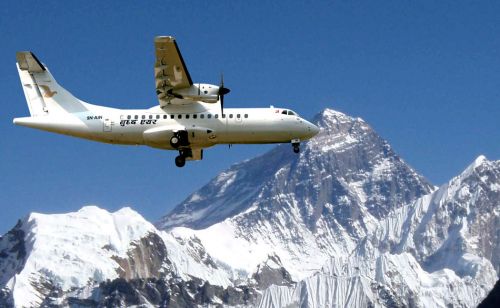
(180, 141)
(180, 160)
(296, 145)
(179, 138)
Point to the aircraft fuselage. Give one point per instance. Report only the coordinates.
(205, 125)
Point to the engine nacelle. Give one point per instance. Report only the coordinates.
(207, 93)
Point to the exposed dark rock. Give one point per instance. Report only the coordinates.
(12, 252)
(146, 258)
(493, 298)
(272, 272)
(166, 293)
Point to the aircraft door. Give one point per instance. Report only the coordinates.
(107, 125)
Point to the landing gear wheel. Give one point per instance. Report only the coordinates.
(175, 141)
(296, 145)
(180, 161)
(180, 138)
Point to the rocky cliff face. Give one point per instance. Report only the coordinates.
(345, 223)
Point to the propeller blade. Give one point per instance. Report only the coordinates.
(222, 91)
(222, 104)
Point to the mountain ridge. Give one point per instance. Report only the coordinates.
(346, 222)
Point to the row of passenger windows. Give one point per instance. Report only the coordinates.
(186, 116)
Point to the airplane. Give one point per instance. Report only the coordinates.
(189, 118)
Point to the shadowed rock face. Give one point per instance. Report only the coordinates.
(165, 293)
(272, 272)
(146, 258)
(12, 253)
(12, 259)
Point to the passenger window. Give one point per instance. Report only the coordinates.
(224, 116)
(136, 117)
(216, 116)
(129, 117)
(231, 116)
(238, 116)
(202, 116)
(143, 117)
(195, 116)
(246, 116)
(172, 116)
(209, 115)
(187, 116)
(179, 116)
(164, 116)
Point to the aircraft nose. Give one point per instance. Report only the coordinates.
(314, 129)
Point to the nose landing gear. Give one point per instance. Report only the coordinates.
(296, 145)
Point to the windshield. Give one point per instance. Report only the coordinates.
(289, 112)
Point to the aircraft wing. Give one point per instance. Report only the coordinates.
(170, 70)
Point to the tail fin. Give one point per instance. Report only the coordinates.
(43, 94)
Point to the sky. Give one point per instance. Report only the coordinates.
(424, 74)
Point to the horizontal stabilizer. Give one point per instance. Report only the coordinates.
(28, 62)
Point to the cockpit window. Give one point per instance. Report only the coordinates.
(289, 112)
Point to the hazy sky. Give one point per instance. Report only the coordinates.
(424, 74)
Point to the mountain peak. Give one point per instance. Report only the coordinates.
(480, 160)
(328, 112)
(346, 159)
(329, 117)
(479, 168)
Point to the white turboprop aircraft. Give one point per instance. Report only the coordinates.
(189, 118)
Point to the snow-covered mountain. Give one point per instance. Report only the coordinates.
(75, 257)
(441, 250)
(345, 223)
(302, 208)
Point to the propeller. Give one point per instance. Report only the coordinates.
(222, 91)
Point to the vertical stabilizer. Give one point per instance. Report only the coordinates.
(43, 94)
(27, 65)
